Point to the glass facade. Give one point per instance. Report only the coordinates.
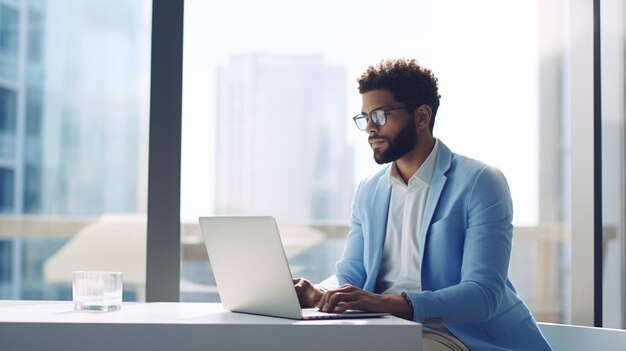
(74, 89)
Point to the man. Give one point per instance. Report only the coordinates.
(430, 234)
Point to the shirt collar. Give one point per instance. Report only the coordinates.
(424, 173)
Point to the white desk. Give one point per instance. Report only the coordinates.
(47, 325)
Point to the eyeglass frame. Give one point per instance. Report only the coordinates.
(368, 116)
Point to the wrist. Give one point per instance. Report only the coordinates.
(398, 306)
(409, 303)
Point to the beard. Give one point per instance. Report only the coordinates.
(399, 146)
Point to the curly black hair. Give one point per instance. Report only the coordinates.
(407, 81)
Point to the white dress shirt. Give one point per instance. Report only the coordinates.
(400, 264)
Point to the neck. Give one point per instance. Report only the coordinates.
(409, 164)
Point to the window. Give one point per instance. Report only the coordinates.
(8, 29)
(506, 100)
(267, 129)
(6, 195)
(36, 31)
(8, 41)
(76, 184)
(7, 124)
(7, 110)
(5, 267)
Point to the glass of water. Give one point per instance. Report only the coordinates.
(97, 291)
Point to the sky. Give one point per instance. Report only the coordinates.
(484, 54)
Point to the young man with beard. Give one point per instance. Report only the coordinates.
(430, 234)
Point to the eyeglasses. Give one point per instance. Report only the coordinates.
(379, 117)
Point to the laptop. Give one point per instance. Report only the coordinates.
(252, 272)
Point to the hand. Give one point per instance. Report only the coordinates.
(308, 294)
(349, 297)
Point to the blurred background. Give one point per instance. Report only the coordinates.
(268, 94)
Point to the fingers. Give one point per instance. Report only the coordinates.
(301, 285)
(341, 299)
(308, 294)
(340, 302)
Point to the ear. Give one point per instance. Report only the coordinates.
(422, 116)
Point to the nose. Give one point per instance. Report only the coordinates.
(372, 127)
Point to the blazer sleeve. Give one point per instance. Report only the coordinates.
(486, 252)
(351, 269)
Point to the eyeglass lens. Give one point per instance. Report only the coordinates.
(378, 117)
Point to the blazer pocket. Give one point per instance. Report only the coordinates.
(449, 224)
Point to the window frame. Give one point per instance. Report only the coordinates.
(164, 160)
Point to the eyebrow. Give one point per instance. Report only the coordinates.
(374, 109)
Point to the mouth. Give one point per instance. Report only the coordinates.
(376, 142)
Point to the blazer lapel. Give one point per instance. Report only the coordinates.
(378, 209)
(436, 187)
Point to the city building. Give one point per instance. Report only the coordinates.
(279, 146)
(73, 124)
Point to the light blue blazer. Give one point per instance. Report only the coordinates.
(465, 246)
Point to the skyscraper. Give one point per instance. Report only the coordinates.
(74, 86)
(96, 98)
(280, 138)
(10, 157)
(73, 106)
